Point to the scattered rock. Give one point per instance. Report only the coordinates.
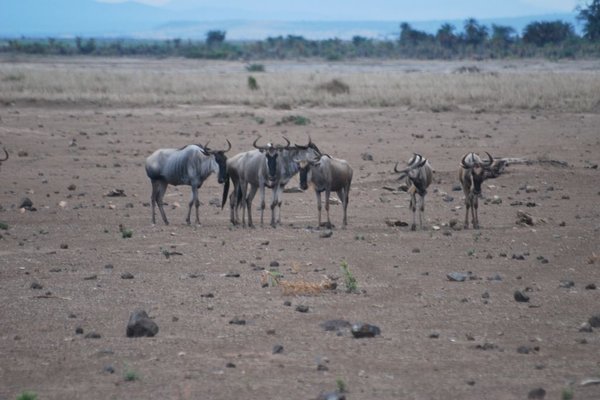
(274, 264)
(302, 308)
(536, 394)
(566, 284)
(230, 365)
(590, 381)
(447, 198)
(591, 286)
(486, 346)
(326, 234)
(90, 278)
(36, 286)
(109, 266)
(395, 222)
(521, 297)
(72, 187)
(456, 188)
(416, 250)
(527, 349)
(64, 246)
(524, 218)
(335, 325)
(92, 335)
(109, 369)
(586, 327)
(287, 303)
(366, 156)
(116, 193)
(457, 277)
(277, 349)
(126, 275)
(232, 275)
(293, 189)
(595, 321)
(140, 325)
(79, 330)
(26, 203)
(434, 335)
(237, 321)
(361, 330)
(331, 396)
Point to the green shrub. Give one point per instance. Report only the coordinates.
(27, 396)
(349, 279)
(255, 68)
(252, 84)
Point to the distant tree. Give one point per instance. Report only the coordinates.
(408, 35)
(85, 48)
(502, 35)
(475, 34)
(541, 33)
(357, 41)
(215, 37)
(446, 37)
(590, 15)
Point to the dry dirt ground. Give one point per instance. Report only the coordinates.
(439, 339)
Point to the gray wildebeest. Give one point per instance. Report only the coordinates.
(327, 174)
(270, 166)
(189, 165)
(472, 172)
(419, 175)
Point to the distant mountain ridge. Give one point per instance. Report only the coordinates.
(88, 18)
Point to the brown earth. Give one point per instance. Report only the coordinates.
(77, 154)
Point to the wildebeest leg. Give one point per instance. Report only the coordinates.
(327, 194)
(160, 194)
(242, 197)
(319, 205)
(467, 206)
(153, 199)
(475, 219)
(249, 199)
(344, 198)
(197, 204)
(192, 202)
(275, 203)
(279, 205)
(262, 203)
(421, 210)
(413, 208)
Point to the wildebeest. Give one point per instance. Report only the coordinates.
(4, 159)
(418, 177)
(327, 174)
(189, 165)
(472, 172)
(269, 166)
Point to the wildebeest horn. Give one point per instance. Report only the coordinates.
(288, 143)
(5, 152)
(256, 146)
(228, 146)
(490, 159)
(462, 162)
(396, 168)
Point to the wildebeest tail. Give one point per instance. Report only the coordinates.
(225, 191)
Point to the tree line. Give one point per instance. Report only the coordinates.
(550, 39)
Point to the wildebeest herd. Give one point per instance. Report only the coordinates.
(272, 166)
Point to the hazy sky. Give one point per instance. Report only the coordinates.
(376, 9)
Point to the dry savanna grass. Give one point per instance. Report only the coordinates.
(443, 87)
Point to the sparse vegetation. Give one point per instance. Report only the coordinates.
(27, 396)
(130, 375)
(349, 280)
(294, 120)
(3, 226)
(334, 87)
(341, 385)
(255, 68)
(567, 393)
(125, 232)
(252, 84)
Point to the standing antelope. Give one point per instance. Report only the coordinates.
(418, 176)
(266, 166)
(327, 174)
(473, 171)
(189, 165)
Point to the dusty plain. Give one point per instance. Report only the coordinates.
(439, 339)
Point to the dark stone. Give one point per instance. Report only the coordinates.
(566, 284)
(126, 275)
(456, 188)
(538, 393)
(586, 327)
(109, 369)
(141, 325)
(322, 367)
(92, 335)
(109, 266)
(457, 277)
(230, 365)
(232, 275)
(595, 321)
(416, 250)
(434, 335)
(277, 349)
(524, 349)
(448, 198)
(326, 234)
(287, 303)
(591, 286)
(237, 321)
(274, 264)
(331, 396)
(335, 325)
(521, 297)
(486, 346)
(90, 278)
(64, 246)
(26, 203)
(79, 330)
(36, 285)
(302, 308)
(361, 330)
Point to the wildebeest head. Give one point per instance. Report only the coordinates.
(478, 168)
(271, 154)
(304, 167)
(220, 159)
(309, 146)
